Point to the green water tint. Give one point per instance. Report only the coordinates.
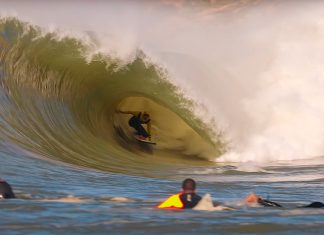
(64, 108)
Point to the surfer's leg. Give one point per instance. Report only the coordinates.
(141, 131)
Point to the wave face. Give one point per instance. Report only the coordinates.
(61, 105)
(252, 69)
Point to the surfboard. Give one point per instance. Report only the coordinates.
(144, 141)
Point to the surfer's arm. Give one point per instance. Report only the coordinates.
(254, 198)
(135, 113)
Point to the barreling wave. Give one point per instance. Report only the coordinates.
(60, 106)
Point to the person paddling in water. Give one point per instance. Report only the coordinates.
(137, 121)
(187, 199)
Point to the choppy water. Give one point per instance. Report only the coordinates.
(235, 98)
(59, 199)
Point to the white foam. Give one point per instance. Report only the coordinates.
(206, 204)
(121, 199)
(68, 199)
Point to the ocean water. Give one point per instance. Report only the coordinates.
(55, 199)
(234, 89)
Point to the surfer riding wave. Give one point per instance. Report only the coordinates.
(137, 121)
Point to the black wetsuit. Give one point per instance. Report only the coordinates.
(5, 190)
(315, 205)
(268, 203)
(189, 200)
(136, 123)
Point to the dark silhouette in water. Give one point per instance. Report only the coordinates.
(315, 205)
(253, 198)
(6, 190)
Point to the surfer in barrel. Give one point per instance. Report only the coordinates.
(137, 121)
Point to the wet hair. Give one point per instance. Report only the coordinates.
(189, 185)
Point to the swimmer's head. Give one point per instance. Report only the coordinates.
(189, 186)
